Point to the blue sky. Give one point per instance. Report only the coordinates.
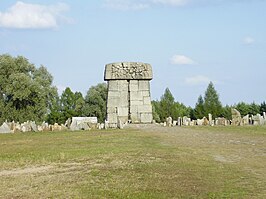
(188, 42)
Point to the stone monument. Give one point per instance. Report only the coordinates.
(128, 97)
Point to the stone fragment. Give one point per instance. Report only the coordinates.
(106, 124)
(169, 121)
(186, 121)
(83, 123)
(40, 128)
(245, 120)
(174, 123)
(26, 127)
(179, 121)
(68, 123)
(146, 118)
(200, 122)
(5, 128)
(257, 119)
(205, 121)
(33, 127)
(220, 121)
(236, 117)
(210, 119)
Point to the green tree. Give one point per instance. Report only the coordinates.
(79, 104)
(95, 102)
(212, 103)
(55, 113)
(181, 110)
(251, 109)
(243, 108)
(71, 104)
(199, 112)
(226, 112)
(155, 110)
(26, 91)
(167, 105)
(262, 107)
(254, 109)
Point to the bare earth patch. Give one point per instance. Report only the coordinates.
(29, 170)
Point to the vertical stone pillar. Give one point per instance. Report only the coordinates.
(117, 102)
(128, 96)
(210, 119)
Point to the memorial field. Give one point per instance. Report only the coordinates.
(144, 162)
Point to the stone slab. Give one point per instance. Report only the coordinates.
(134, 109)
(123, 85)
(135, 117)
(144, 85)
(136, 96)
(111, 109)
(112, 118)
(146, 118)
(147, 100)
(113, 85)
(133, 85)
(113, 94)
(145, 93)
(78, 123)
(5, 128)
(145, 109)
(122, 111)
(136, 102)
(128, 71)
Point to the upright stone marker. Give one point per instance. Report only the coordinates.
(128, 96)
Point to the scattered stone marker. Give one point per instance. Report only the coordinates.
(83, 123)
(5, 128)
(169, 121)
(245, 120)
(210, 119)
(236, 117)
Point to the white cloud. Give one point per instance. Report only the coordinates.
(143, 4)
(125, 5)
(248, 40)
(197, 80)
(182, 60)
(171, 2)
(33, 16)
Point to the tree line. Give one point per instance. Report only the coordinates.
(209, 103)
(27, 93)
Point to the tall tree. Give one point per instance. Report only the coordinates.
(262, 107)
(181, 110)
(95, 102)
(212, 103)
(167, 105)
(71, 104)
(226, 112)
(155, 110)
(243, 108)
(254, 108)
(26, 91)
(199, 111)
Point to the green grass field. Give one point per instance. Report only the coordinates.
(150, 162)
